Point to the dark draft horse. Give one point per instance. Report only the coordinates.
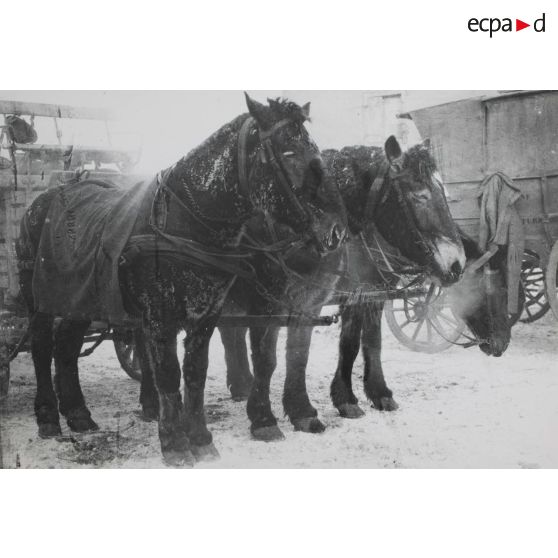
(398, 195)
(257, 188)
(479, 298)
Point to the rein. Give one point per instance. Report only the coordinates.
(377, 196)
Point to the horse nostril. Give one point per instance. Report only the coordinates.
(456, 269)
(316, 166)
(336, 237)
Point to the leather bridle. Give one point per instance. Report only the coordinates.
(283, 178)
(387, 178)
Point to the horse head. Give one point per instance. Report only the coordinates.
(481, 300)
(289, 178)
(412, 213)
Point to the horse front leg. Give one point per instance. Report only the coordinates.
(196, 360)
(263, 341)
(46, 403)
(375, 385)
(296, 403)
(341, 390)
(149, 399)
(68, 340)
(160, 343)
(239, 377)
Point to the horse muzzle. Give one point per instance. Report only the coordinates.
(449, 258)
(494, 347)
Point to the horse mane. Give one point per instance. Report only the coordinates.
(419, 161)
(287, 109)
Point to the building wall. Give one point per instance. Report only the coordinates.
(368, 117)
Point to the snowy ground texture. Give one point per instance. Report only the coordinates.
(458, 409)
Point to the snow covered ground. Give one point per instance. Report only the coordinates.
(457, 409)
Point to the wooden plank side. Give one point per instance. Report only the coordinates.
(55, 111)
(26, 181)
(465, 209)
(522, 134)
(456, 132)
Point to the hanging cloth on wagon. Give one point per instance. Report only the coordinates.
(76, 266)
(20, 131)
(501, 225)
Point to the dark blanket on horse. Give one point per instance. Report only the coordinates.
(76, 266)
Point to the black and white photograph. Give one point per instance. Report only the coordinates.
(279, 279)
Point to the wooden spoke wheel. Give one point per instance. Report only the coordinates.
(551, 279)
(533, 282)
(125, 348)
(425, 323)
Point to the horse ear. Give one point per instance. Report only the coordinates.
(256, 109)
(392, 149)
(306, 110)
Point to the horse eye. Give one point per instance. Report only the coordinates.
(422, 197)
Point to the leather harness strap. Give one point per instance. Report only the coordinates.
(183, 250)
(283, 178)
(373, 201)
(242, 153)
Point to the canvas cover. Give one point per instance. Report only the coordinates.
(76, 265)
(501, 224)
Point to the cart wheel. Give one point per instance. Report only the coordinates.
(126, 353)
(533, 283)
(514, 317)
(551, 275)
(426, 323)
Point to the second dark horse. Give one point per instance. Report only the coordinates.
(354, 169)
(399, 195)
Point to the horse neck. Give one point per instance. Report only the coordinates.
(351, 167)
(211, 169)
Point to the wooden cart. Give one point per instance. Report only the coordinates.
(515, 133)
(27, 170)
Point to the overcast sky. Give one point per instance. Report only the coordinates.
(173, 122)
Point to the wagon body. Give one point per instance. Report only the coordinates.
(515, 133)
(39, 166)
(35, 168)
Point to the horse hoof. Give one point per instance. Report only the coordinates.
(267, 433)
(312, 425)
(178, 458)
(82, 424)
(385, 404)
(205, 453)
(350, 411)
(240, 393)
(49, 430)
